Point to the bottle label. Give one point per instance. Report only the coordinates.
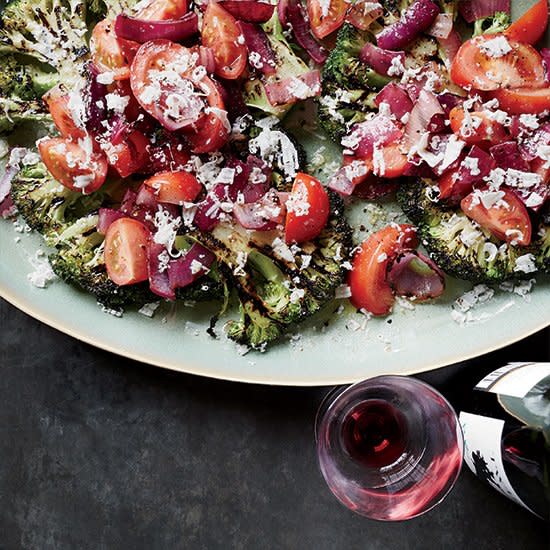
(514, 379)
(482, 452)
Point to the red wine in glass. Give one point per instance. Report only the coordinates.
(390, 448)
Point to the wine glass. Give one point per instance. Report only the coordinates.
(390, 448)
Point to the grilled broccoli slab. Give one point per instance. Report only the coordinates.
(279, 285)
(460, 246)
(52, 31)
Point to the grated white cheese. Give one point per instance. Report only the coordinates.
(43, 273)
(496, 47)
(525, 264)
(149, 309)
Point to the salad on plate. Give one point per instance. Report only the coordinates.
(163, 161)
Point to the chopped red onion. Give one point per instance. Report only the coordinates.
(258, 44)
(259, 179)
(362, 14)
(375, 188)
(380, 60)
(341, 183)
(422, 114)
(106, 216)
(301, 31)
(146, 197)
(397, 98)
(282, 6)
(416, 19)
(508, 155)
(450, 45)
(159, 281)
(5, 181)
(96, 108)
(7, 208)
(472, 10)
(414, 275)
(250, 11)
(529, 145)
(442, 26)
(207, 59)
(141, 30)
(186, 269)
(128, 202)
(449, 101)
(263, 215)
(380, 130)
(290, 90)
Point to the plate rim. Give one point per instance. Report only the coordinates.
(186, 368)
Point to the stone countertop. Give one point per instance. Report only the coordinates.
(100, 452)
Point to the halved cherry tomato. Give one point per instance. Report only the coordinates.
(175, 187)
(107, 53)
(221, 33)
(472, 67)
(161, 10)
(126, 244)
(128, 48)
(394, 163)
(213, 130)
(367, 280)
(480, 130)
(123, 89)
(172, 100)
(531, 25)
(325, 19)
(522, 100)
(357, 169)
(128, 154)
(508, 219)
(72, 166)
(58, 105)
(307, 209)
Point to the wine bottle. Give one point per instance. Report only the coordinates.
(506, 427)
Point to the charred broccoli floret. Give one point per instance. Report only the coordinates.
(460, 246)
(51, 31)
(498, 22)
(22, 84)
(279, 285)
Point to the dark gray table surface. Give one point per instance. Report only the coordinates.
(100, 452)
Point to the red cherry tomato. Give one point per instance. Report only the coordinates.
(522, 100)
(58, 104)
(126, 244)
(508, 219)
(173, 99)
(307, 209)
(324, 19)
(72, 166)
(393, 164)
(175, 187)
(213, 130)
(221, 33)
(531, 25)
(129, 154)
(107, 54)
(452, 187)
(161, 10)
(367, 280)
(473, 67)
(362, 14)
(479, 129)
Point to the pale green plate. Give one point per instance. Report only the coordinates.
(348, 349)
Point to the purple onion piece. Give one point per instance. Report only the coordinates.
(140, 30)
(257, 43)
(380, 129)
(472, 10)
(508, 155)
(397, 98)
(442, 26)
(413, 275)
(186, 270)
(282, 6)
(302, 33)
(422, 114)
(7, 208)
(106, 216)
(341, 183)
(146, 197)
(449, 101)
(159, 281)
(250, 11)
(255, 190)
(378, 59)
(128, 202)
(5, 182)
(96, 108)
(416, 19)
(262, 215)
